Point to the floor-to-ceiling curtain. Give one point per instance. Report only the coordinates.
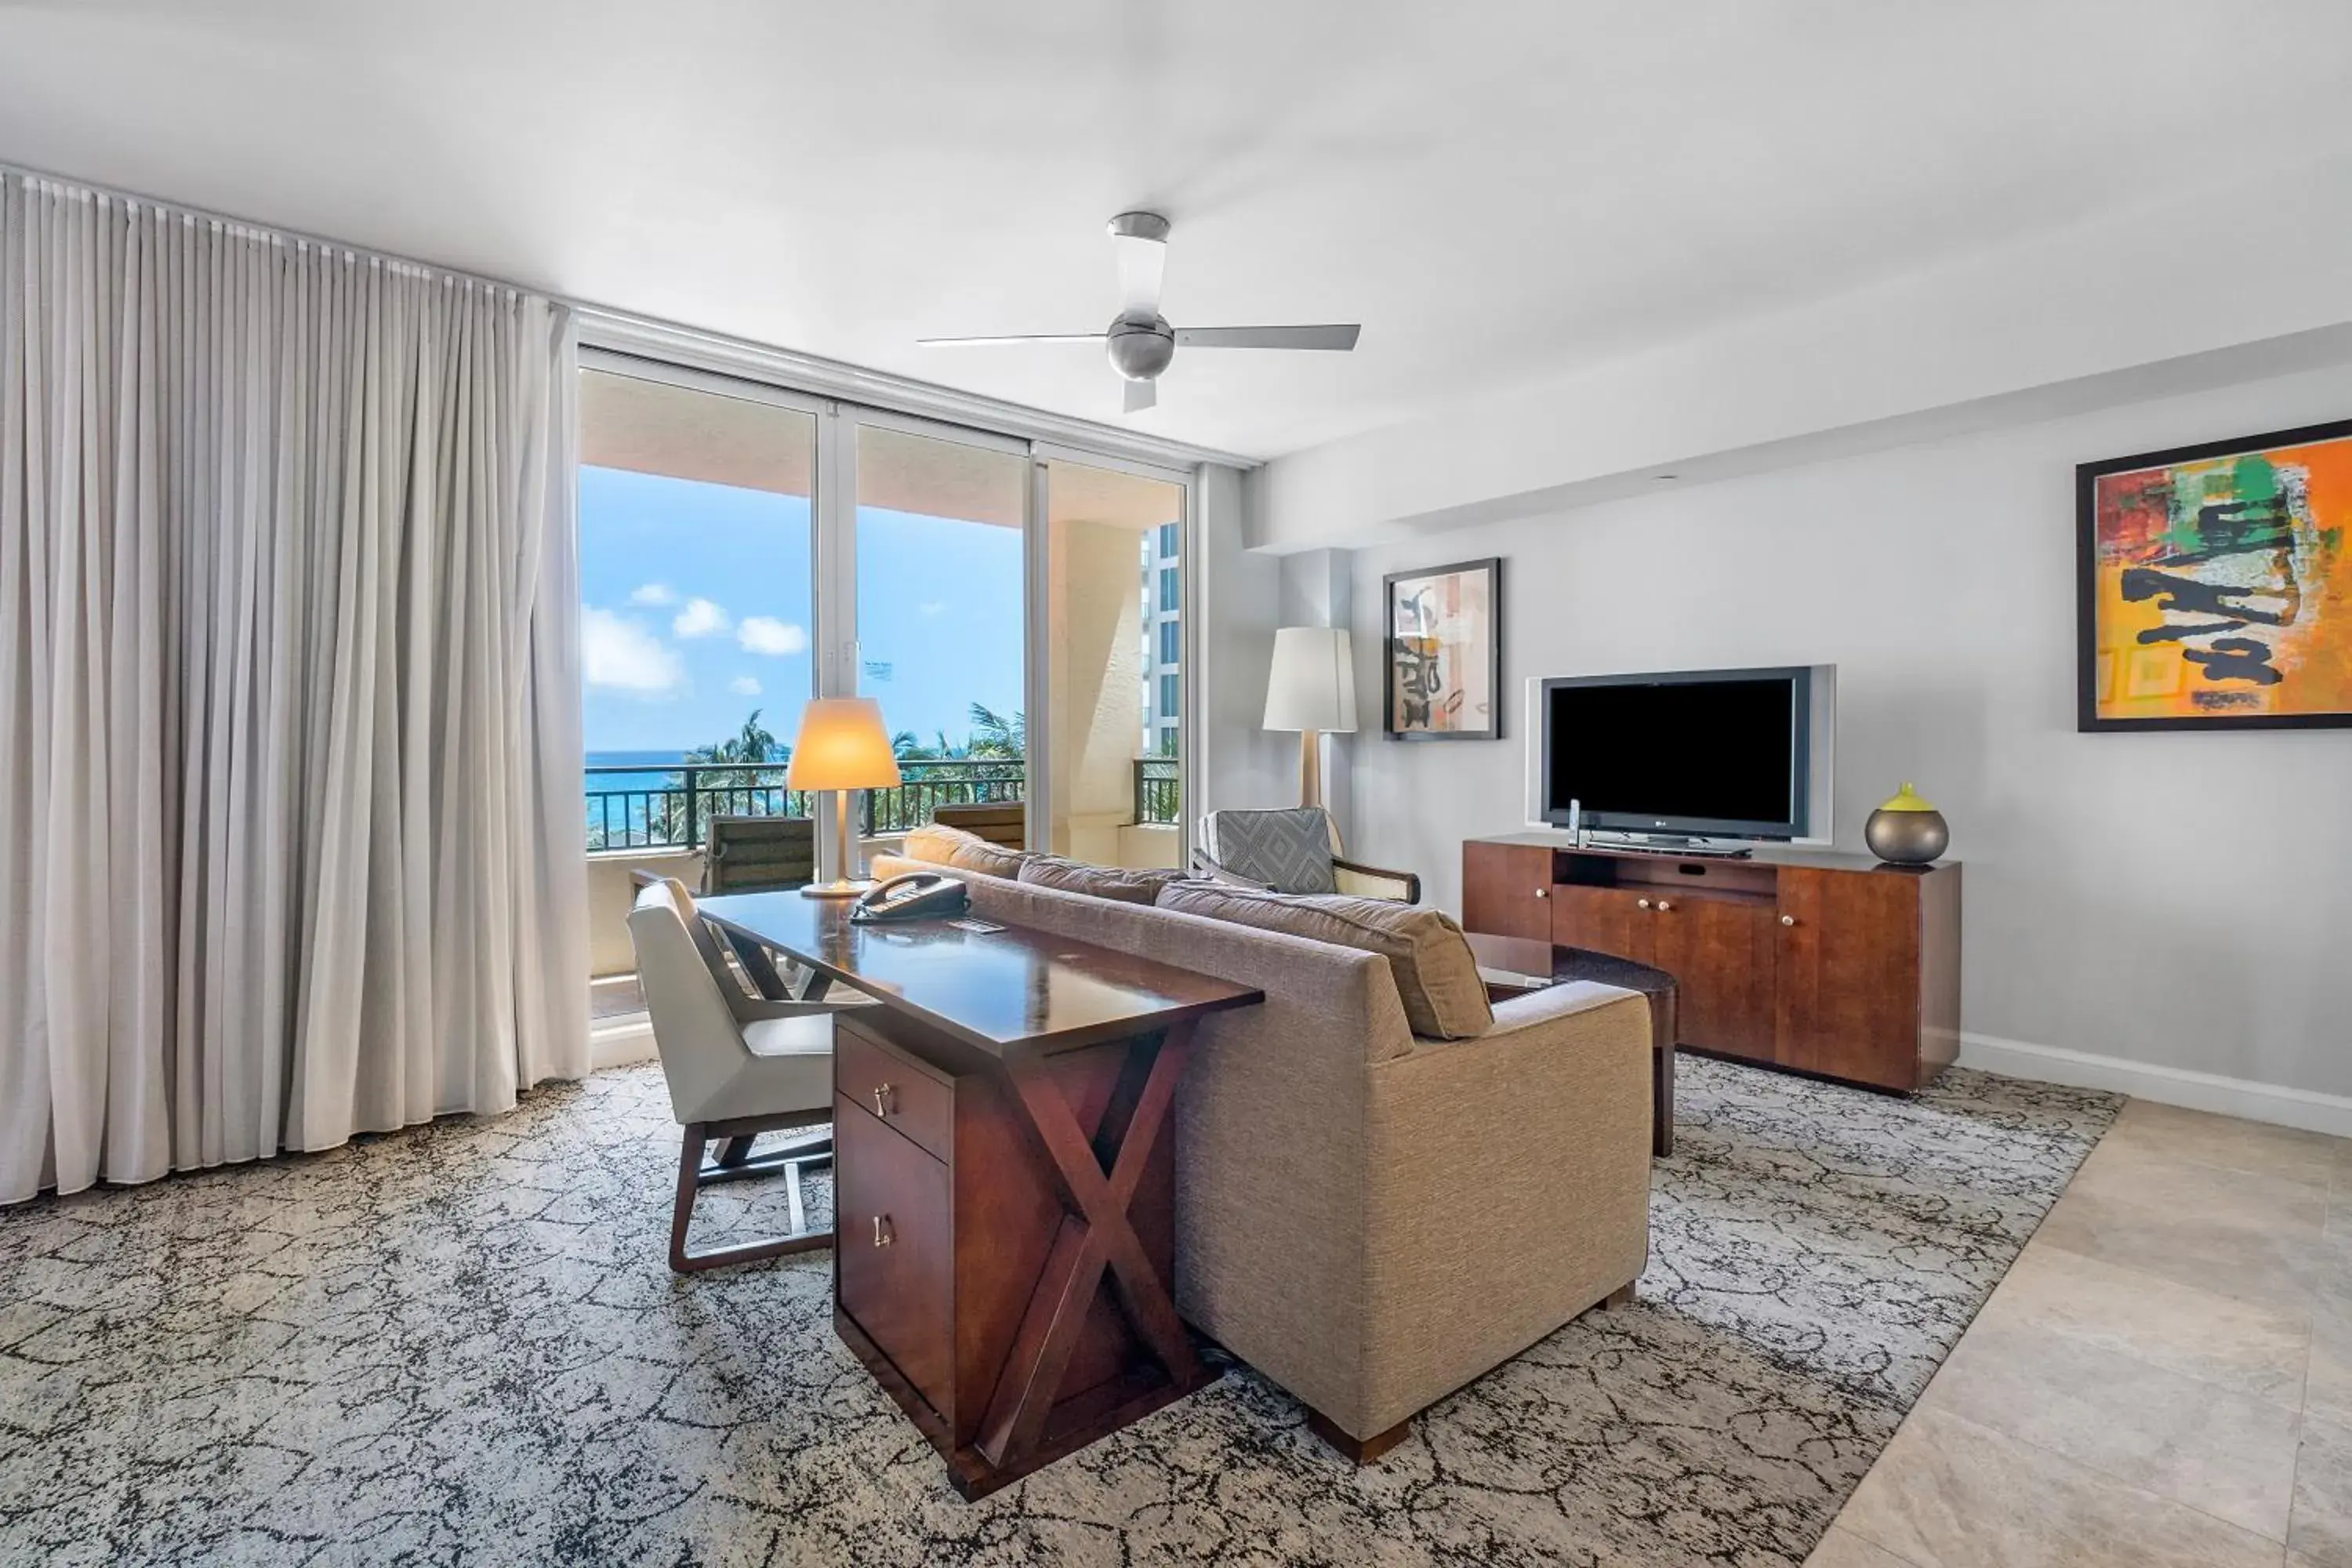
(289, 798)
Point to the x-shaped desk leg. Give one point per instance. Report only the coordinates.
(1094, 1235)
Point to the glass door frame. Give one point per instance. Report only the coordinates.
(833, 540)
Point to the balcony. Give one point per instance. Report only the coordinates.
(672, 815)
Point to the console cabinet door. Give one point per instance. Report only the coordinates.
(1849, 974)
(1506, 890)
(1721, 954)
(1615, 920)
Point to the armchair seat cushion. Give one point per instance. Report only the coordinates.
(1436, 974)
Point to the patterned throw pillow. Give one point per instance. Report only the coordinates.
(1289, 851)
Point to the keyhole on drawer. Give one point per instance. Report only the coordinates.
(884, 1232)
(885, 1096)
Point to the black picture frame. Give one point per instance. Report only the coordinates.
(1392, 650)
(2087, 720)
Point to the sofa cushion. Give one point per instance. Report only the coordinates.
(1436, 977)
(1128, 885)
(939, 846)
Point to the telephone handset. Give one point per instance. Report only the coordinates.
(917, 895)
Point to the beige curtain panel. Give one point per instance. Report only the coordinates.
(291, 813)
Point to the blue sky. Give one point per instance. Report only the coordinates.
(697, 609)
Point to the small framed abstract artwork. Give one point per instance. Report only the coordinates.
(2214, 585)
(1445, 653)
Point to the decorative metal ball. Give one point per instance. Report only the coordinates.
(1906, 830)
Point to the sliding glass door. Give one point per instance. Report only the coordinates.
(1115, 677)
(937, 551)
(1018, 612)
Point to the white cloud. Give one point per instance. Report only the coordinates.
(933, 608)
(655, 593)
(623, 656)
(765, 634)
(744, 685)
(701, 618)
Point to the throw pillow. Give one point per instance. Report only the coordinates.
(1127, 885)
(965, 851)
(1436, 977)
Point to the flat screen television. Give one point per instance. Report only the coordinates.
(1702, 753)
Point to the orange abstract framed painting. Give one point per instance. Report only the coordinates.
(2216, 584)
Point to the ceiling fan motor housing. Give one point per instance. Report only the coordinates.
(1140, 350)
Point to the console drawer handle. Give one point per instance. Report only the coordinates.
(884, 1233)
(1664, 906)
(885, 1097)
(1641, 904)
(1788, 920)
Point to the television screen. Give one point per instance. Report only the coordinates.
(1719, 751)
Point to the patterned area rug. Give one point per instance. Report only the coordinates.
(461, 1343)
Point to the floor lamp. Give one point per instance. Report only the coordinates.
(842, 746)
(1311, 689)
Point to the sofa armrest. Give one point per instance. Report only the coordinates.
(1361, 881)
(1519, 1159)
(1545, 1005)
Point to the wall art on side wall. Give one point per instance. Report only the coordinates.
(1445, 652)
(2215, 585)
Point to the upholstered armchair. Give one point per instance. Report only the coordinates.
(1295, 850)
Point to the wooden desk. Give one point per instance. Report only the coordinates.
(1003, 1186)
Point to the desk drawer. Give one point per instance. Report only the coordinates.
(893, 1088)
(895, 1250)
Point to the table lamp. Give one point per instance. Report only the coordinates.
(1312, 689)
(842, 747)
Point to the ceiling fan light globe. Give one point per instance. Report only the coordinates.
(1139, 350)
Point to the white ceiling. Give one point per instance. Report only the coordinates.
(1498, 192)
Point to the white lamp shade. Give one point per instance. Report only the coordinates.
(1313, 683)
(842, 745)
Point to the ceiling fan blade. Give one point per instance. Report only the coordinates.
(1142, 394)
(1331, 337)
(1009, 338)
(1139, 241)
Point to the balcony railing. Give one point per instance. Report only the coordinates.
(671, 815)
(1157, 796)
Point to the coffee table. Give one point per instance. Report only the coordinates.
(1528, 964)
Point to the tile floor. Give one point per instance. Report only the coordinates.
(2164, 1377)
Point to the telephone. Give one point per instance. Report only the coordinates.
(917, 895)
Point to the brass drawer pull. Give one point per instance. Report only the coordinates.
(884, 1232)
(885, 1097)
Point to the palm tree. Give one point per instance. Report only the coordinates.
(994, 735)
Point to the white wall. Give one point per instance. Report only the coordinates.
(1229, 645)
(2126, 304)
(2179, 900)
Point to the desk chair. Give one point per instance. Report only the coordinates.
(737, 1066)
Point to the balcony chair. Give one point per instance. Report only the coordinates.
(1295, 850)
(737, 1066)
(760, 854)
(1004, 822)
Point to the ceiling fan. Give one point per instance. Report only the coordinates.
(1140, 342)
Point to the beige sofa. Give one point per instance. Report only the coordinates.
(1369, 1218)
